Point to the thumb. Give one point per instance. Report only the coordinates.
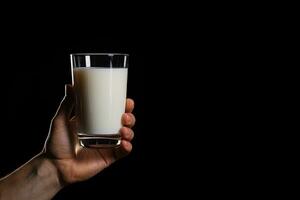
(67, 104)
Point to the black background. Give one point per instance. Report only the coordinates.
(184, 66)
(35, 66)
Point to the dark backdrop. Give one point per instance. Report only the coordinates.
(35, 66)
(183, 76)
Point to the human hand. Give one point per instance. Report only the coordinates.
(73, 162)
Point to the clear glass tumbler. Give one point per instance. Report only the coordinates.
(100, 83)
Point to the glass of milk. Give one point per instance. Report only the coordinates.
(100, 83)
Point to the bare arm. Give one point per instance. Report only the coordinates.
(37, 179)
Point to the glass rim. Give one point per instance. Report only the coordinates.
(99, 54)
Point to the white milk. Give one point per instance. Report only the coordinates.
(102, 96)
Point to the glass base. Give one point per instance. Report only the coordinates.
(99, 141)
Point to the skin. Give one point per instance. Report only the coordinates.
(63, 161)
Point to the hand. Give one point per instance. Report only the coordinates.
(73, 162)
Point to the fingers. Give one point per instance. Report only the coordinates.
(129, 105)
(126, 147)
(126, 133)
(67, 104)
(128, 119)
(124, 150)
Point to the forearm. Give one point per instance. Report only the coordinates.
(37, 179)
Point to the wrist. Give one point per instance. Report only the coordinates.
(36, 179)
(47, 169)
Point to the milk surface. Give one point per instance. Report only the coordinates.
(101, 98)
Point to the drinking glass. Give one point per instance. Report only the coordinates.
(100, 83)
